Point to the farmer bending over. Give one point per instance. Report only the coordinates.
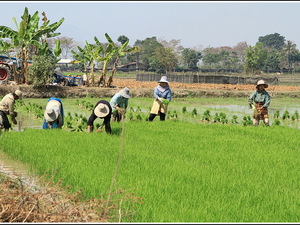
(262, 101)
(7, 108)
(54, 114)
(162, 97)
(101, 110)
(119, 103)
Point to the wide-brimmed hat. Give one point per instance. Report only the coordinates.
(101, 110)
(261, 82)
(52, 111)
(18, 93)
(163, 79)
(125, 92)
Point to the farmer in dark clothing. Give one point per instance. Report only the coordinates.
(101, 110)
(262, 100)
(7, 108)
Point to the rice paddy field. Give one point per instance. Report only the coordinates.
(205, 163)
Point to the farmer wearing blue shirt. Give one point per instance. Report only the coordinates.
(54, 114)
(119, 103)
(162, 97)
(262, 100)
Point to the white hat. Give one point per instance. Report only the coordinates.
(261, 82)
(125, 92)
(52, 111)
(101, 110)
(163, 79)
(18, 93)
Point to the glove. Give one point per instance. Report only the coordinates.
(160, 99)
(15, 114)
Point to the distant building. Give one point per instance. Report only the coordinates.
(133, 66)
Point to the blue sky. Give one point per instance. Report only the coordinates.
(196, 23)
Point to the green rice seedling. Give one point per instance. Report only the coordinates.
(206, 115)
(130, 115)
(184, 109)
(131, 109)
(138, 109)
(223, 118)
(173, 115)
(295, 115)
(139, 117)
(234, 119)
(194, 112)
(286, 115)
(276, 122)
(217, 177)
(97, 125)
(277, 114)
(247, 121)
(216, 118)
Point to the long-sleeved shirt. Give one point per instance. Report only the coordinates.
(165, 93)
(260, 97)
(118, 100)
(7, 104)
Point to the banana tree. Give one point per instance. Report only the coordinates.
(83, 58)
(119, 52)
(27, 34)
(106, 57)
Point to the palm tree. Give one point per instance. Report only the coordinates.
(27, 35)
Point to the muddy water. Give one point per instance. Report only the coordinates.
(17, 170)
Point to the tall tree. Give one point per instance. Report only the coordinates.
(122, 39)
(147, 48)
(165, 60)
(191, 58)
(275, 41)
(255, 58)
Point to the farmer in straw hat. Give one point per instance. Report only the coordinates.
(101, 110)
(54, 114)
(7, 108)
(162, 97)
(262, 100)
(119, 103)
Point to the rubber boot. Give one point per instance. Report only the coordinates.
(151, 117)
(162, 116)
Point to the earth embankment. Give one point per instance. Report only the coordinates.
(145, 89)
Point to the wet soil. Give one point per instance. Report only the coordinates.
(145, 89)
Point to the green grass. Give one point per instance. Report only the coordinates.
(184, 172)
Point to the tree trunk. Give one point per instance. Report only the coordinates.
(102, 79)
(113, 71)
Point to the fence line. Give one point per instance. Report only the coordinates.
(218, 79)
